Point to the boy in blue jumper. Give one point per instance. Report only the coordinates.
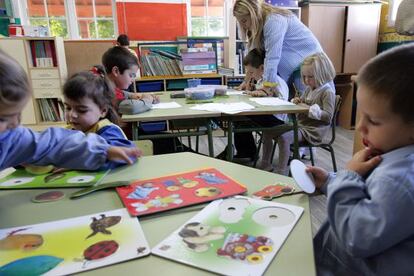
(57, 146)
(370, 230)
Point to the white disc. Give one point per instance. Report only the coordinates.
(302, 178)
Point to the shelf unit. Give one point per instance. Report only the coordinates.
(238, 48)
(44, 61)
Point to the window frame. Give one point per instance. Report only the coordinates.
(206, 18)
(72, 18)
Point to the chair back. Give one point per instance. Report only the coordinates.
(338, 102)
(145, 146)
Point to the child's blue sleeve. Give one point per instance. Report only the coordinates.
(114, 136)
(54, 146)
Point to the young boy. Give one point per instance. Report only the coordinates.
(121, 68)
(244, 142)
(370, 230)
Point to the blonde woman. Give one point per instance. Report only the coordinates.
(280, 34)
(317, 72)
(285, 41)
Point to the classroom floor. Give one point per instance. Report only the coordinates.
(343, 152)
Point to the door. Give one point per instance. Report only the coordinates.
(361, 35)
(327, 23)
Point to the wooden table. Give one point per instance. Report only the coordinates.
(185, 112)
(294, 258)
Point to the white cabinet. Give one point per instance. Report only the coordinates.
(44, 61)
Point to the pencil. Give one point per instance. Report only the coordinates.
(296, 91)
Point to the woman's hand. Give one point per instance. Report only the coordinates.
(364, 161)
(296, 100)
(319, 175)
(123, 154)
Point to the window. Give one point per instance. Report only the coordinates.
(208, 18)
(95, 18)
(74, 18)
(50, 13)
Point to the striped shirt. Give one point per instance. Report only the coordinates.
(287, 43)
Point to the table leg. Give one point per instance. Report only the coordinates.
(135, 131)
(210, 139)
(295, 138)
(229, 140)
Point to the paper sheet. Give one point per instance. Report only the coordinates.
(166, 105)
(270, 101)
(234, 92)
(228, 108)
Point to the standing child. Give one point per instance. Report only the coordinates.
(121, 68)
(88, 103)
(317, 73)
(370, 230)
(123, 41)
(254, 66)
(57, 146)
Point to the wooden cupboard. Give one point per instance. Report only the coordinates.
(348, 33)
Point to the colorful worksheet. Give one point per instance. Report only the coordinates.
(178, 190)
(233, 236)
(71, 245)
(22, 178)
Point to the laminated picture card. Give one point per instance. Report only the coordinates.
(233, 236)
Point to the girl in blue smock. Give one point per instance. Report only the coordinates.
(57, 146)
(88, 99)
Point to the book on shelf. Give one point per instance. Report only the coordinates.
(51, 109)
(199, 61)
(43, 53)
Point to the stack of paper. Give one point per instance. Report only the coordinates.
(166, 105)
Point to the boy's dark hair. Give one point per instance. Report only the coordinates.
(391, 75)
(94, 85)
(254, 58)
(14, 84)
(123, 40)
(119, 57)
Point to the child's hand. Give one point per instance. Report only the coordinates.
(364, 161)
(123, 153)
(315, 112)
(136, 96)
(296, 100)
(155, 99)
(319, 175)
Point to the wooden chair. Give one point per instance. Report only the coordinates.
(324, 145)
(145, 146)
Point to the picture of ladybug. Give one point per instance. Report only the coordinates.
(98, 251)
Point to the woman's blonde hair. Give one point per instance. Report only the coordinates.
(258, 11)
(322, 68)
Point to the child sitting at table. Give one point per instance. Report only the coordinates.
(62, 147)
(254, 67)
(317, 72)
(369, 230)
(121, 68)
(88, 104)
